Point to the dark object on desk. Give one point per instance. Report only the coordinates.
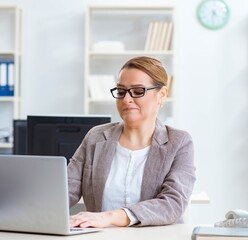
(20, 137)
(59, 135)
(216, 233)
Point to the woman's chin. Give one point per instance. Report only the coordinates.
(130, 118)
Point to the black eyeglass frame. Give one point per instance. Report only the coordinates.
(130, 93)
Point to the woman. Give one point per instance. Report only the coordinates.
(138, 172)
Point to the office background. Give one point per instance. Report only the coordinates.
(212, 88)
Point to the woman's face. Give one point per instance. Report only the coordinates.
(138, 110)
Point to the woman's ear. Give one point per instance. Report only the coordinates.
(163, 92)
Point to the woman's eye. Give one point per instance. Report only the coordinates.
(138, 91)
(121, 93)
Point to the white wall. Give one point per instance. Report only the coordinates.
(213, 106)
(212, 88)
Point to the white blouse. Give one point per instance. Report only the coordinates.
(123, 185)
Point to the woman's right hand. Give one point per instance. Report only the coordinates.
(100, 219)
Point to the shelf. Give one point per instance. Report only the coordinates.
(169, 6)
(6, 145)
(9, 52)
(9, 99)
(8, 8)
(124, 31)
(130, 53)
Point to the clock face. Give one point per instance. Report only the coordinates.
(213, 14)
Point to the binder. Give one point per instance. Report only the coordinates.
(6, 78)
(3, 79)
(10, 78)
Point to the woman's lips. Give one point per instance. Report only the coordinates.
(129, 109)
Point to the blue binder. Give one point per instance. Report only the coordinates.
(6, 78)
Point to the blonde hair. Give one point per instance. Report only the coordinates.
(151, 67)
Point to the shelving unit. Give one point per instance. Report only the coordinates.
(127, 25)
(10, 49)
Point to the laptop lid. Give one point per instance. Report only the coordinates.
(34, 195)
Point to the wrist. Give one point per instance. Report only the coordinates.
(118, 218)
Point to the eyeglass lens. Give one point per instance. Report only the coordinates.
(134, 92)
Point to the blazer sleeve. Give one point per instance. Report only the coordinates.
(169, 204)
(74, 171)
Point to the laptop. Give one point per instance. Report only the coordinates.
(34, 195)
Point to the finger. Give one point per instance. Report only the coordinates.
(78, 219)
(85, 225)
(76, 222)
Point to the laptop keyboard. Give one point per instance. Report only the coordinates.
(77, 229)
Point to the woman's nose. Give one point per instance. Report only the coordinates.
(127, 98)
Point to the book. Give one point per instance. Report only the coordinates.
(169, 84)
(149, 37)
(217, 233)
(3, 79)
(163, 35)
(153, 37)
(11, 73)
(3, 76)
(10, 78)
(168, 37)
(158, 36)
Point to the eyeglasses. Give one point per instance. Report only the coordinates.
(135, 92)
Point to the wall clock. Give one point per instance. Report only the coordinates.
(213, 14)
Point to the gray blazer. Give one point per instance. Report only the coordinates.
(168, 178)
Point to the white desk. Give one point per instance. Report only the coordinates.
(171, 232)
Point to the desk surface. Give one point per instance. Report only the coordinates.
(171, 232)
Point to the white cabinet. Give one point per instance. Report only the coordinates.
(114, 34)
(10, 62)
